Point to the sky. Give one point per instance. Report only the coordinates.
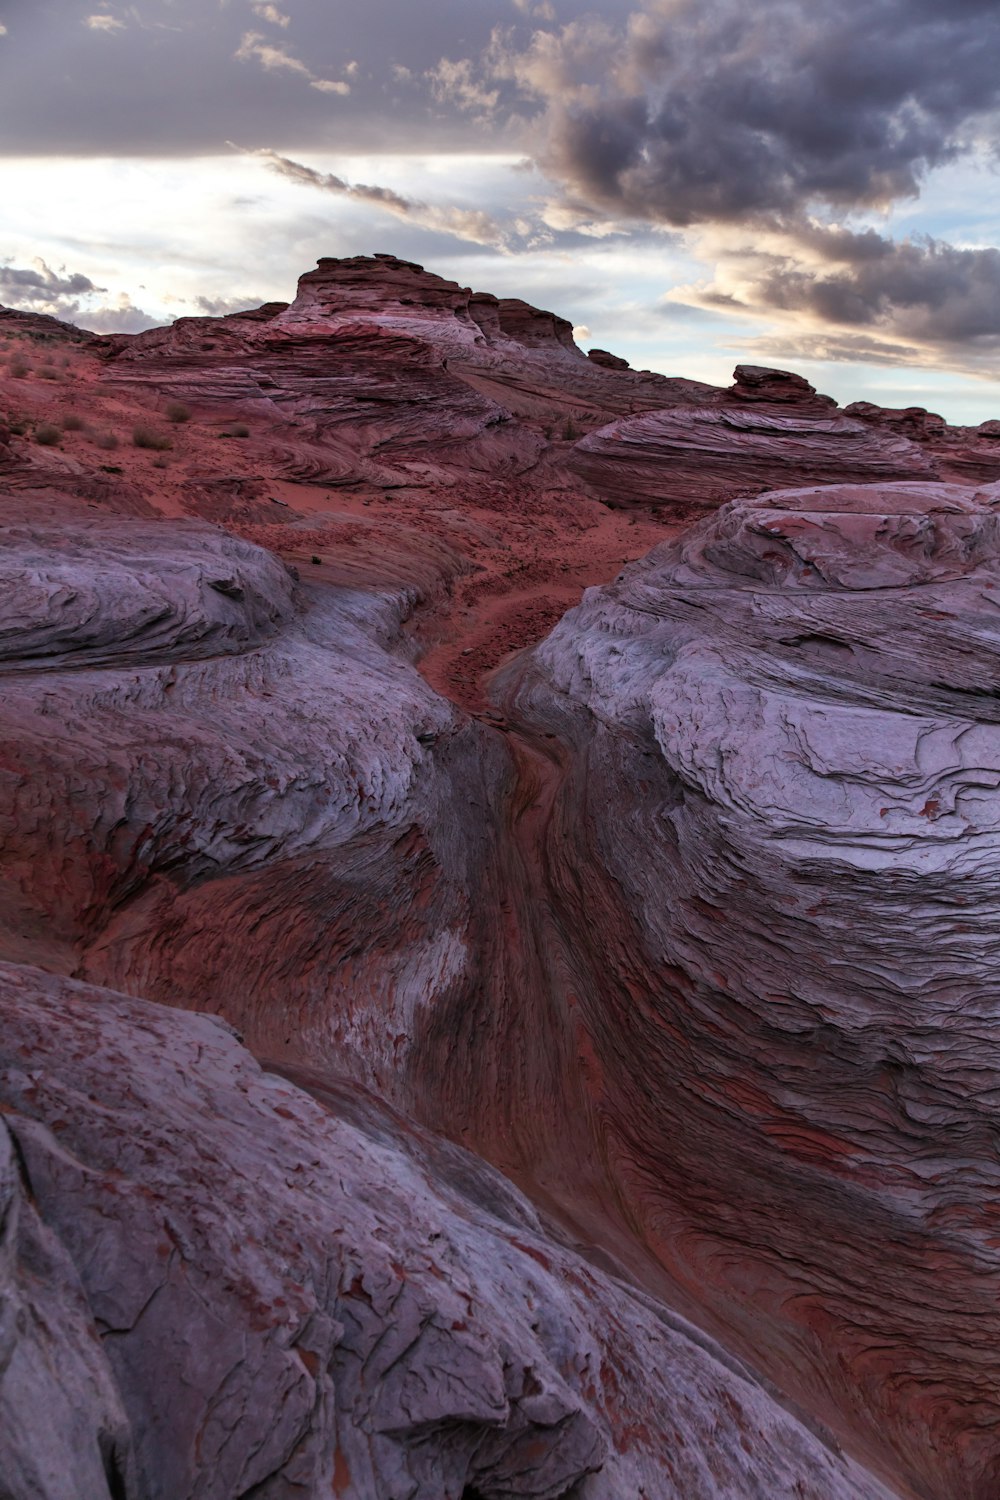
(810, 184)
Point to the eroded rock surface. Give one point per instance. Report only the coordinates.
(687, 460)
(690, 931)
(315, 1298)
(781, 817)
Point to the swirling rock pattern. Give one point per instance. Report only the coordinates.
(778, 853)
(211, 781)
(686, 460)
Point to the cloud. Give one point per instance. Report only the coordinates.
(538, 10)
(123, 317)
(913, 300)
(713, 110)
(756, 131)
(41, 289)
(221, 307)
(275, 57)
(58, 294)
(455, 83)
(271, 13)
(272, 56)
(183, 89)
(104, 23)
(831, 347)
(471, 224)
(3, 29)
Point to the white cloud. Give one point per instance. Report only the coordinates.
(104, 23)
(3, 29)
(274, 57)
(539, 10)
(271, 13)
(473, 225)
(453, 82)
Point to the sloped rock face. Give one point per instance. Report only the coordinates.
(64, 1433)
(779, 837)
(313, 1297)
(212, 783)
(688, 460)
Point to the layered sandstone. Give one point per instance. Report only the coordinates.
(683, 921)
(780, 814)
(687, 460)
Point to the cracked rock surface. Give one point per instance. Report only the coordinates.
(308, 1295)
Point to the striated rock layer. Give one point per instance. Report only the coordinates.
(380, 372)
(776, 848)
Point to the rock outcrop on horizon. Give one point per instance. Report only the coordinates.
(432, 380)
(435, 1069)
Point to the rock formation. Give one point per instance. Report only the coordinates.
(596, 1091)
(781, 812)
(299, 1295)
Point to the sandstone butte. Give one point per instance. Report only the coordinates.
(500, 918)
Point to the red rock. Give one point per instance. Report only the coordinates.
(758, 383)
(690, 935)
(686, 460)
(607, 361)
(775, 845)
(310, 1294)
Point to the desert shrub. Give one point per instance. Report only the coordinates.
(570, 430)
(240, 430)
(71, 422)
(105, 440)
(49, 372)
(148, 437)
(18, 369)
(160, 461)
(178, 412)
(18, 428)
(48, 435)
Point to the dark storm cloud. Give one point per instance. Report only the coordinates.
(712, 110)
(57, 293)
(40, 287)
(924, 289)
(716, 116)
